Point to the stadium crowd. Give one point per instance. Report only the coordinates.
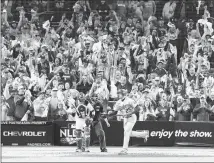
(158, 52)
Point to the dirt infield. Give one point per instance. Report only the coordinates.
(136, 154)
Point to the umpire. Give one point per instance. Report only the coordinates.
(98, 110)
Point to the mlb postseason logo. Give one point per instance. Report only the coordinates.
(67, 134)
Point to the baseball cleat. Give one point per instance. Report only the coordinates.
(104, 150)
(123, 152)
(78, 150)
(87, 150)
(83, 149)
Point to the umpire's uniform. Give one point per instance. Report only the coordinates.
(98, 108)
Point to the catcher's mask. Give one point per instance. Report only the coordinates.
(82, 97)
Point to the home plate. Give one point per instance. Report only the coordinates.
(135, 154)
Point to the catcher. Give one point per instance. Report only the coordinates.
(83, 122)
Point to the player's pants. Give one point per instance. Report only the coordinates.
(79, 138)
(128, 124)
(82, 133)
(100, 134)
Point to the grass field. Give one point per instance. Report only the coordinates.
(136, 154)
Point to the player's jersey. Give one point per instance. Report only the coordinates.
(125, 106)
(140, 103)
(82, 109)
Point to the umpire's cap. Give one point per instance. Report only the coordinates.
(81, 108)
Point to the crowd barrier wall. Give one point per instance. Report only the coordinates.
(27, 133)
(62, 133)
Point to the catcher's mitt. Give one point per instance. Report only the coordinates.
(88, 121)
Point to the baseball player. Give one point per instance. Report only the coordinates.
(83, 122)
(97, 117)
(127, 107)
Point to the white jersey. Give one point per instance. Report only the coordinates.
(125, 106)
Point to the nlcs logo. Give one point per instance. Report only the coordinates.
(67, 134)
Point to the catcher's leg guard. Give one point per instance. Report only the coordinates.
(79, 138)
(87, 132)
(88, 122)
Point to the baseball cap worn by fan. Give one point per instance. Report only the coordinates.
(146, 90)
(204, 63)
(161, 33)
(41, 92)
(19, 8)
(12, 91)
(157, 78)
(13, 22)
(44, 46)
(186, 97)
(30, 48)
(179, 97)
(100, 69)
(42, 56)
(161, 61)
(34, 10)
(203, 96)
(60, 83)
(7, 59)
(6, 71)
(20, 87)
(21, 70)
(26, 26)
(62, 49)
(55, 89)
(138, 21)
